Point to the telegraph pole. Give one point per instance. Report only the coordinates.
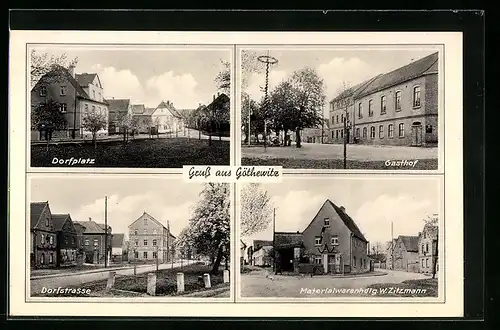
(106, 231)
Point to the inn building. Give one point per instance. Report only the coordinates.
(396, 108)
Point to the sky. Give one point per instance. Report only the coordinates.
(335, 66)
(373, 203)
(128, 198)
(148, 76)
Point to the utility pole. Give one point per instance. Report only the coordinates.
(274, 242)
(106, 231)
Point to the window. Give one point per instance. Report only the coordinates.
(333, 134)
(364, 132)
(155, 254)
(87, 242)
(427, 262)
(327, 222)
(136, 255)
(423, 250)
(135, 231)
(154, 231)
(46, 222)
(317, 260)
(357, 132)
(154, 242)
(416, 96)
(425, 234)
(62, 90)
(428, 128)
(354, 262)
(42, 238)
(65, 240)
(317, 240)
(145, 231)
(342, 117)
(145, 254)
(372, 132)
(43, 91)
(145, 222)
(335, 240)
(93, 94)
(383, 104)
(401, 130)
(370, 108)
(347, 116)
(73, 240)
(427, 247)
(93, 109)
(96, 242)
(63, 107)
(397, 103)
(337, 134)
(390, 131)
(360, 110)
(381, 132)
(145, 242)
(337, 121)
(51, 258)
(423, 263)
(51, 239)
(42, 259)
(341, 133)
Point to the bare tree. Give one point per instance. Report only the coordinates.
(42, 64)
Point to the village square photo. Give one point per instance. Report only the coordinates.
(128, 236)
(134, 106)
(341, 237)
(341, 108)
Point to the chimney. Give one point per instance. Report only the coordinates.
(298, 232)
(218, 94)
(214, 97)
(71, 70)
(90, 219)
(342, 208)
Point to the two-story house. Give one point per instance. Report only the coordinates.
(43, 236)
(118, 109)
(427, 252)
(142, 118)
(406, 253)
(166, 119)
(92, 240)
(334, 241)
(395, 108)
(76, 94)
(150, 240)
(67, 248)
(261, 253)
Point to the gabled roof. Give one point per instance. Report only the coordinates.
(36, 210)
(91, 227)
(431, 230)
(118, 105)
(84, 79)
(220, 100)
(151, 217)
(168, 105)
(428, 64)
(287, 240)
(138, 109)
(103, 226)
(348, 221)
(410, 243)
(58, 220)
(259, 243)
(117, 240)
(59, 71)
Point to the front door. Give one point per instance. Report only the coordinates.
(416, 133)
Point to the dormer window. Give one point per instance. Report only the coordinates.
(317, 240)
(43, 91)
(335, 240)
(63, 90)
(327, 222)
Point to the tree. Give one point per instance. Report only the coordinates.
(256, 209)
(309, 91)
(223, 78)
(40, 65)
(433, 221)
(251, 107)
(209, 225)
(94, 122)
(47, 116)
(126, 124)
(156, 123)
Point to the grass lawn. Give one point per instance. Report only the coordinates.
(166, 282)
(422, 164)
(409, 288)
(146, 153)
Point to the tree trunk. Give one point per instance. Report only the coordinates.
(94, 139)
(210, 138)
(297, 138)
(199, 134)
(215, 267)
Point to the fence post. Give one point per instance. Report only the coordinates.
(206, 280)
(180, 282)
(226, 276)
(151, 284)
(111, 280)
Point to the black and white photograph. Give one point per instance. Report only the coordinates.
(129, 106)
(128, 237)
(341, 237)
(341, 108)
